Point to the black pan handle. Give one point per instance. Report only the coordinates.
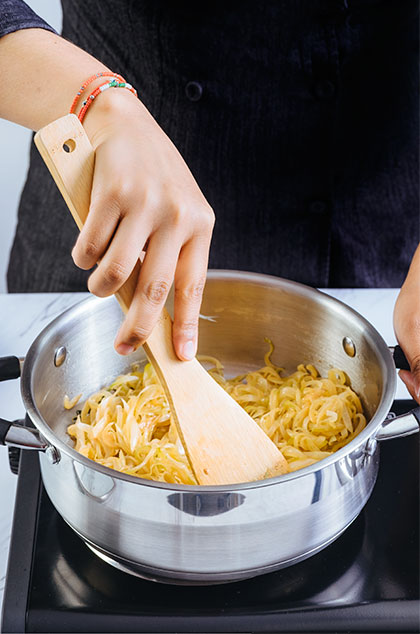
(9, 368)
(5, 425)
(400, 359)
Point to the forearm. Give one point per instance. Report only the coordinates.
(143, 194)
(40, 74)
(407, 325)
(414, 272)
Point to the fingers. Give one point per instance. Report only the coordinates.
(190, 279)
(143, 194)
(103, 217)
(155, 280)
(120, 258)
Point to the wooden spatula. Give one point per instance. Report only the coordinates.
(223, 443)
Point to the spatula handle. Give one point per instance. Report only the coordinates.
(70, 157)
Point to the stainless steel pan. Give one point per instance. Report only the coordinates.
(199, 535)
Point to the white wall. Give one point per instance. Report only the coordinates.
(14, 153)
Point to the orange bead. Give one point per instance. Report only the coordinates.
(118, 82)
(89, 81)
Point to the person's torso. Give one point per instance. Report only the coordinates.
(298, 121)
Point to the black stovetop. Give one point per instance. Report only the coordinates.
(366, 581)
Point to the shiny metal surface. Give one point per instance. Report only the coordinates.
(21, 362)
(25, 438)
(349, 347)
(212, 534)
(60, 356)
(275, 526)
(168, 576)
(398, 426)
(53, 455)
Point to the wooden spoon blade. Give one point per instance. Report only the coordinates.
(223, 443)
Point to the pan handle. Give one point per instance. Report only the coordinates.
(399, 426)
(10, 368)
(405, 424)
(400, 359)
(16, 435)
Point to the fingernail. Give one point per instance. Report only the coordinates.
(188, 350)
(124, 348)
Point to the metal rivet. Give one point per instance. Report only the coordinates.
(60, 356)
(349, 347)
(370, 447)
(52, 454)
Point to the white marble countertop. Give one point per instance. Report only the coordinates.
(24, 316)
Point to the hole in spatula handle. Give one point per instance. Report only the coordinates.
(69, 145)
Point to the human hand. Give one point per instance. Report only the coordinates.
(144, 197)
(407, 326)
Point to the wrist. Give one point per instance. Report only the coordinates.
(107, 110)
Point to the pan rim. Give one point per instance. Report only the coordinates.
(387, 397)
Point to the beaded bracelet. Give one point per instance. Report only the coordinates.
(89, 81)
(114, 83)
